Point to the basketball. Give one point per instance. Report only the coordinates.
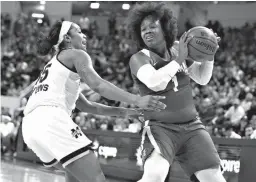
(203, 45)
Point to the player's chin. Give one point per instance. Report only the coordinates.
(83, 47)
(151, 45)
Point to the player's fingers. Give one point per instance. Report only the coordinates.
(183, 36)
(151, 109)
(158, 97)
(218, 39)
(188, 39)
(157, 104)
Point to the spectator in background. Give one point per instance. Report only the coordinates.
(248, 131)
(124, 49)
(251, 112)
(94, 42)
(247, 102)
(7, 20)
(5, 28)
(235, 113)
(253, 135)
(19, 25)
(112, 24)
(253, 124)
(84, 23)
(253, 121)
(122, 30)
(93, 28)
(7, 132)
(230, 132)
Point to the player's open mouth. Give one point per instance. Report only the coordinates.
(149, 37)
(84, 42)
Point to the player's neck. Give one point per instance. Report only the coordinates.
(159, 50)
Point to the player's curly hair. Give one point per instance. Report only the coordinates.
(157, 10)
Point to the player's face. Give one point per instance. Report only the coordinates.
(151, 32)
(78, 39)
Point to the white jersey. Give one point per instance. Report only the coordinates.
(56, 86)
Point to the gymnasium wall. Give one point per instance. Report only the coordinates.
(11, 7)
(234, 15)
(58, 10)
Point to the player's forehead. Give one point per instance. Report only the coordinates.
(75, 27)
(148, 20)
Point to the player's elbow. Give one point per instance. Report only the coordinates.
(102, 87)
(155, 89)
(203, 82)
(98, 88)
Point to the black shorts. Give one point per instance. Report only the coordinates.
(190, 144)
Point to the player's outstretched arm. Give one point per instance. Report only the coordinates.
(27, 90)
(84, 67)
(95, 108)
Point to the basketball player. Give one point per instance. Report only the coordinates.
(47, 127)
(161, 68)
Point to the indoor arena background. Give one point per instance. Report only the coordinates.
(227, 105)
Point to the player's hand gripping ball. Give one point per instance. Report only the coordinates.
(203, 45)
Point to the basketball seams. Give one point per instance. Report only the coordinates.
(199, 33)
(199, 50)
(206, 39)
(196, 29)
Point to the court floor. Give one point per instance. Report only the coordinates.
(13, 170)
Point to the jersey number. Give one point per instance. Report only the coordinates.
(44, 73)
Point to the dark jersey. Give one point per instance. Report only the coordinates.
(179, 100)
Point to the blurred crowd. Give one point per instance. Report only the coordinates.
(226, 105)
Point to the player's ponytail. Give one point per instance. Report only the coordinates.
(46, 43)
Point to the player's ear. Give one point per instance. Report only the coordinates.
(67, 38)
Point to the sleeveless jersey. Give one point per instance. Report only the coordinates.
(56, 86)
(179, 100)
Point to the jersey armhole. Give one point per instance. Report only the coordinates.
(72, 70)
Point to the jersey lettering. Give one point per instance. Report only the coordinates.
(39, 88)
(43, 75)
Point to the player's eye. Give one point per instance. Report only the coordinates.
(152, 26)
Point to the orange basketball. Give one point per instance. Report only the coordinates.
(203, 45)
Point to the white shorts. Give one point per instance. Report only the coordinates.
(53, 136)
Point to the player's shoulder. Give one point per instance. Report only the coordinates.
(74, 54)
(142, 54)
(137, 60)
